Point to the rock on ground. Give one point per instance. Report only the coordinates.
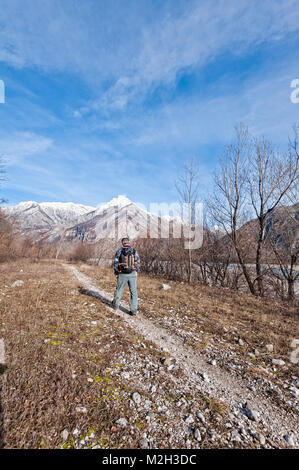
(17, 283)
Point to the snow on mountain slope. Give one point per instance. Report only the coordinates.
(53, 221)
(57, 211)
(46, 220)
(120, 201)
(119, 218)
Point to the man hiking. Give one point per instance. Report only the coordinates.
(125, 268)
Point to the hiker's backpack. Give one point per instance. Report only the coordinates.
(126, 262)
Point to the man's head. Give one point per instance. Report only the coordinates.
(125, 241)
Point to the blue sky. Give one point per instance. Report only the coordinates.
(108, 97)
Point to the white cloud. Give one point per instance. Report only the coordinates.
(205, 30)
(135, 45)
(77, 114)
(121, 51)
(90, 38)
(18, 146)
(263, 103)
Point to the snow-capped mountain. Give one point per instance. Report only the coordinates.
(46, 220)
(119, 218)
(49, 212)
(51, 221)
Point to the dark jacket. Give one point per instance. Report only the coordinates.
(117, 255)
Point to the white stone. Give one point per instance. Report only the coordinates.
(201, 417)
(143, 443)
(65, 434)
(262, 439)
(81, 409)
(289, 439)
(189, 419)
(136, 397)
(17, 283)
(204, 376)
(252, 415)
(278, 362)
(122, 422)
(164, 287)
(292, 389)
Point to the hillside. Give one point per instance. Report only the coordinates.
(192, 370)
(282, 226)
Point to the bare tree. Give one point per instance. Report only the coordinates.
(253, 180)
(282, 240)
(2, 175)
(270, 178)
(228, 204)
(187, 185)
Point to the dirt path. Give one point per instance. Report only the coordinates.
(213, 381)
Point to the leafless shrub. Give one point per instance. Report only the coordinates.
(163, 257)
(81, 252)
(187, 186)
(7, 249)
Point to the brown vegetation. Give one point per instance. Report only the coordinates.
(58, 361)
(51, 352)
(257, 321)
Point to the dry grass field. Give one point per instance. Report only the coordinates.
(72, 367)
(222, 315)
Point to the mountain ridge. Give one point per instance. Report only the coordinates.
(55, 221)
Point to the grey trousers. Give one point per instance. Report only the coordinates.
(122, 280)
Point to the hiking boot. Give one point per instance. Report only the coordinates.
(113, 307)
(133, 313)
